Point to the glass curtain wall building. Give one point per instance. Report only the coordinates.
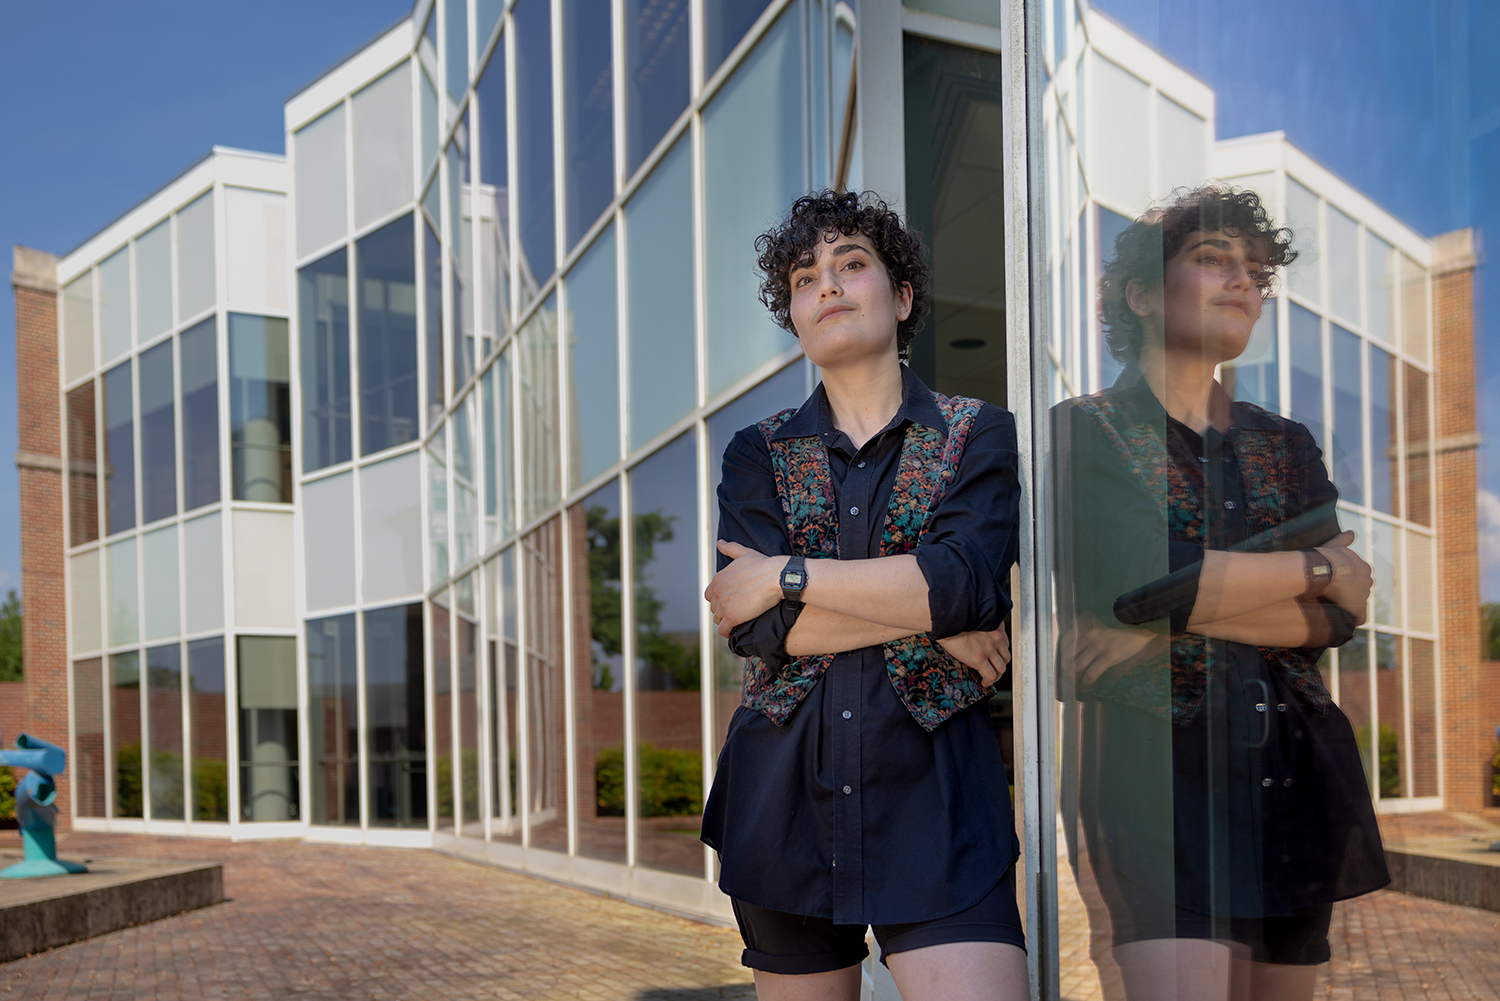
(391, 464)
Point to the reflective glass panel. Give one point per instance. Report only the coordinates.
(491, 197)
(466, 706)
(432, 123)
(499, 451)
(1348, 452)
(382, 146)
(78, 327)
(504, 666)
(546, 777)
(396, 703)
(599, 675)
(196, 250)
(125, 726)
(593, 362)
(321, 183)
(124, 609)
(754, 165)
(657, 61)
(119, 448)
(1255, 376)
(114, 303)
(1385, 435)
(387, 337)
(659, 275)
(1422, 674)
(391, 527)
(667, 602)
(158, 434)
(533, 48)
(465, 482)
(442, 708)
(160, 575)
(260, 409)
(328, 525)
(432, 289)
(165, 731)
(267, 674)
(588, 112)
(210, 729)
(323, 332)
(437, 505)
(1380, 287)
(456, 46)
(1418, 421)
(1343, 265)
(88, 759)
(1416, 309)
(724, 24)
(153, 282)
(203, 547)
(1306, 339)
(85, 624)
(1302, 216)
(541, 482)
(461, 256)
(333, 720)
(199, 353)
(1390, 695)
(83, 466)
(486, 16)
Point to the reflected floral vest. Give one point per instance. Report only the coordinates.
(1271, 484)
(932, 685)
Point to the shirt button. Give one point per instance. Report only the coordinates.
(861, 465)
(854, 510)
(1202, 458)
(1267, 782)
(1229, 505)
(848, 790)
(848, 714)
(1287, 783)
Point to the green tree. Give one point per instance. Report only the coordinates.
(10, 638)
(1489, 641)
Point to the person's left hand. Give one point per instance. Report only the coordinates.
(986, 652)
(744, 589)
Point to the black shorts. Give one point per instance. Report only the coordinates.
(778, 942)
(1299, 939)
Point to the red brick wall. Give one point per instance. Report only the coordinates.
(39, 434)
(1468, 702)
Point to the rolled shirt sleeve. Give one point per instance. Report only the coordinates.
(971, 540)
(750, 514)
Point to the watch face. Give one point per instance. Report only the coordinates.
(792, 579)
(1322, 570)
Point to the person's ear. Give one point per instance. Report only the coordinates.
(904, 300)
(1139, 297)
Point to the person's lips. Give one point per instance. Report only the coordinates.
(1234, 303)
(833, 309)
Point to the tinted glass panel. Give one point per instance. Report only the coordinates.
(466, 783)
(499, 451)
(210, 729)
(395, 698)
(323, 302)
(657, 60)
(724, 24)
(667, 672)
(114, 304)
(588, 112)
(267, 671)
(593, 361)
(88, 763)
(1348, 452)
(78, 327)
(456, 46)
(541, 480)
(504, 667)
(260, 411)
(125, 725)
(492, 198)
(158, 434)
(382, 146)
(1385, 437)
(387, 337)
(533, 26)
(321, 183)
(83, 466)
(542, 688)
(200, 414)
(432, 289)
(599, 678)
(333, 720)
(164, 720)
(153, 282)
(119, 448)
(1306, 337)
(442, 709)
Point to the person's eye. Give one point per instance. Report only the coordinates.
(1211, 260)
(855, 263)
(801, 281)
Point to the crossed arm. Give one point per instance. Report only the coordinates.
(847, 605)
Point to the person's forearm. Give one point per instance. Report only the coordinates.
(889, 590)
(1235, 584)
(818, 630)
(1284, 624)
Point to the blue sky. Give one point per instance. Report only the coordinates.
(107, 102)
(1401, 98)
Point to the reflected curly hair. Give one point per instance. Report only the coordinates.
(1143, 248)
(826, 215)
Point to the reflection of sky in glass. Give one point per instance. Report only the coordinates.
(656, 76)
(787, 388)
(1348, 458)
(588, 112)
(533, 25)
(594, 361)
(1384, 491)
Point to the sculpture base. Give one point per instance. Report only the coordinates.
(34, 867)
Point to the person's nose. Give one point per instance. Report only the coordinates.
(828, 284)
(1239, 275)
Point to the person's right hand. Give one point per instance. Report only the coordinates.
(985, 652)
(1091, 648)
(1352, 577)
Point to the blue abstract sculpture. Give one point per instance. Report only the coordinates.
(36, 811)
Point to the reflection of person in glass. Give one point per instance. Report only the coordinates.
(866, 543)
(1219, 790)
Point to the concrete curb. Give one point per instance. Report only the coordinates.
(1451, 880)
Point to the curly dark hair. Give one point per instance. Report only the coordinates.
(825, 216)
(1143, 248)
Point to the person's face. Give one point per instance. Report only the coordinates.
(1208, 301)
(843, 306)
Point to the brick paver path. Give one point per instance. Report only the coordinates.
(310, 921)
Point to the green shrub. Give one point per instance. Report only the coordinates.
(128, 780)
(210, 789)
(1389, 755)
(7, 793)
(671, 782)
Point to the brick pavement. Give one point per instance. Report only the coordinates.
(333, 922)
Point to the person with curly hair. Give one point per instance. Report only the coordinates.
(1221, 804)
(866, 541)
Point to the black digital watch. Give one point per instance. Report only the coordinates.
(793, 580)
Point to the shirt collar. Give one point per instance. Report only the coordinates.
(1134, 395)
(815, 417)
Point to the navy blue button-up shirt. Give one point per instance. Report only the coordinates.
(851, 811)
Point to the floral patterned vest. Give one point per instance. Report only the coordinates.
(932, 685)
(1271, 489)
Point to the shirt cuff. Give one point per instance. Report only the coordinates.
(765, 635)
